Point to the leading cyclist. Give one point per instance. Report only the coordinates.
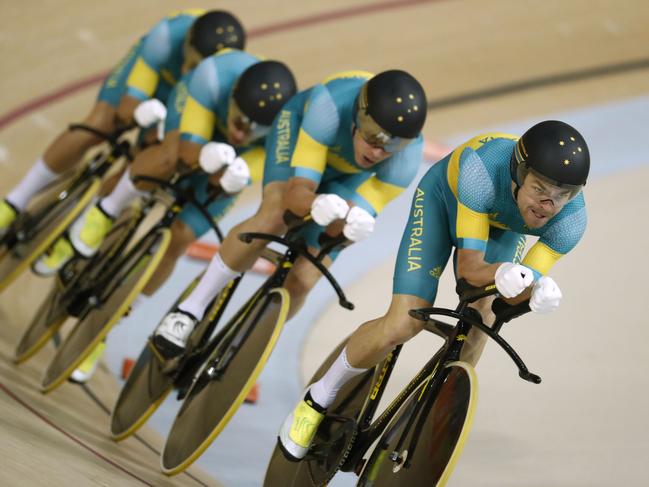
(482, 199)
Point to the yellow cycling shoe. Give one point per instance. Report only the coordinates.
(299, 428)
(8, 214)
(88, 232)
(56, 257)
(86, 370)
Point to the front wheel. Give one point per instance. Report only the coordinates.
(153, 377)
(130, 276)
(441, 437)
(212, 400)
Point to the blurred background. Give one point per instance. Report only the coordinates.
(486, 66)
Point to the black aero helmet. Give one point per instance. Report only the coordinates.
(391, 109)
(555, 151)
(262, 90)
(216, 30)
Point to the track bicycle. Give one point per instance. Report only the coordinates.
(57, 206)
(99, 291)
(420, 435)
(235, 358)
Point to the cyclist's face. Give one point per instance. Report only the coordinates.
(538, 201)
(365, 154)
(241, 130)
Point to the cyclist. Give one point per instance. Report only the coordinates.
(481, 199)
(352, 140)
(150, 69)
(222, 100)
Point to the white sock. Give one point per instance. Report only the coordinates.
(39, 176)
(325, 390)
(217, 275)
(122, 196)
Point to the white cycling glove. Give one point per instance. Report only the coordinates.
(327, 208)
(149, 113)
(546, 295)
(235, 177)
(513, 279)
(215, 155)
(359, 224)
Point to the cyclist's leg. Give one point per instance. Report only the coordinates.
(300, 280)
(181, 237)
(62, 154)
(68, 148)
(89, 230)
(189, 226)
(235, 256)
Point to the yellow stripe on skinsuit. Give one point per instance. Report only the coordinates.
(471, 224)
(541, 258)
(474, 143)
(309, 153)
(348, 74)
(197, 120)
(340, 164)
(143, 77)
(378, 193)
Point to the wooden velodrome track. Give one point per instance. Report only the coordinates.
(482, 63)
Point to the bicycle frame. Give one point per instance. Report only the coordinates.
(228, 344)
(99, 289)
(433, 373)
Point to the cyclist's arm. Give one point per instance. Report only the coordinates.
(198, 118)
(299, 196)
(475, 198)
(309, 159)
(188, 153)
(143, 79)
(472, 267)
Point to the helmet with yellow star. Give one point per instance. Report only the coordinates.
(216, 30)
(554, 151)
(259, 94)
(390, 110)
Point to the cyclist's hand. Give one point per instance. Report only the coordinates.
(215, 155)
(149, 113)
(546, 296)
(328, 207)
(235, 177)
(359, 224)
(513, 279)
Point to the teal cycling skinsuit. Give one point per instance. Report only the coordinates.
(466, 201)
(153, 65)
(198, 107)
(312, 138)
